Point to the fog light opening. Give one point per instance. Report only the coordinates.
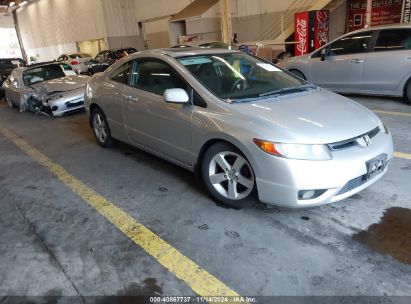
(310, 194)
(54, 108)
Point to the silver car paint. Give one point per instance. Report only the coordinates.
(69, 89)
(372, 73)
(177, 133)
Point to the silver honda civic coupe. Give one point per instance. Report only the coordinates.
(241, 123)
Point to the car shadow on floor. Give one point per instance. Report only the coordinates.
(79, 124)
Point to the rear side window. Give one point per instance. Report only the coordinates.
(393, 40)
(352, 44)
(122, 74)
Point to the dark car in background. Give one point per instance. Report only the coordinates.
(106, 58)
(7, 65)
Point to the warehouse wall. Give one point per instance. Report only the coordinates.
(59, 24)
(50, 27)
(121, 24)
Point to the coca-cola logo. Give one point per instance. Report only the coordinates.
(301, 29)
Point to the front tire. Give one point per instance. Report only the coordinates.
(228, 175)
(101, 128)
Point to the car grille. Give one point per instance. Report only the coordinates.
(353, 141)
(352, 184)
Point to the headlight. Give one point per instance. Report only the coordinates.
(295, 151)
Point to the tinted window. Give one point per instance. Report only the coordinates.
(156, 77)
(122, 74)
(43, 73)
(352, 44)
(393, 40)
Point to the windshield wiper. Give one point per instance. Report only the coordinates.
(289, 90)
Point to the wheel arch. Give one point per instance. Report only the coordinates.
(299, 71)
(230, 141)
(404, 88)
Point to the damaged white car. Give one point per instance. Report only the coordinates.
(45, 89)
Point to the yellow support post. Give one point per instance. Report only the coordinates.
(226, 25)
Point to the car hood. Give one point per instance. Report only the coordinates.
(316, 117)
(288, 61)
(62, 84)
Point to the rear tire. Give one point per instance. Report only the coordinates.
(101, 129)
(298, 74)
(227, 175)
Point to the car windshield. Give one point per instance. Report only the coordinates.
(78, 56)
(11, 64)
(43, 73)
(238, 77)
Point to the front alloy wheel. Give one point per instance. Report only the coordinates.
(228, 175)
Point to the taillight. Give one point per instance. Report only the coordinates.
(74, 62)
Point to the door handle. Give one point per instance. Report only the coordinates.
(357, 61)
(132, 99)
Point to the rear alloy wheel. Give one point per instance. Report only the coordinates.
(227, 175)
(100, 128)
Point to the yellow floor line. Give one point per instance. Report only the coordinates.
(402, 155)
(393, 113)
(199, 280)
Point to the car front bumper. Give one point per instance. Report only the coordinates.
(70, 102)
(279, 180)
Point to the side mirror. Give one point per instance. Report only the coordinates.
(324, 53)
(176, 96)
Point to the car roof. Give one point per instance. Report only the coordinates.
(185, 52)
(36, 65)
(383, 27)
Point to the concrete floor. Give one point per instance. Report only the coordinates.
(53, 243)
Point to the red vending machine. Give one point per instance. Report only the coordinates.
(311, 31)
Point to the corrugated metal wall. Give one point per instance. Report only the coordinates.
(119, 16)
(53, 22)
(50, 23)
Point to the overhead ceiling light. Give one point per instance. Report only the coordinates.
(23, 3)
(12, 4)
